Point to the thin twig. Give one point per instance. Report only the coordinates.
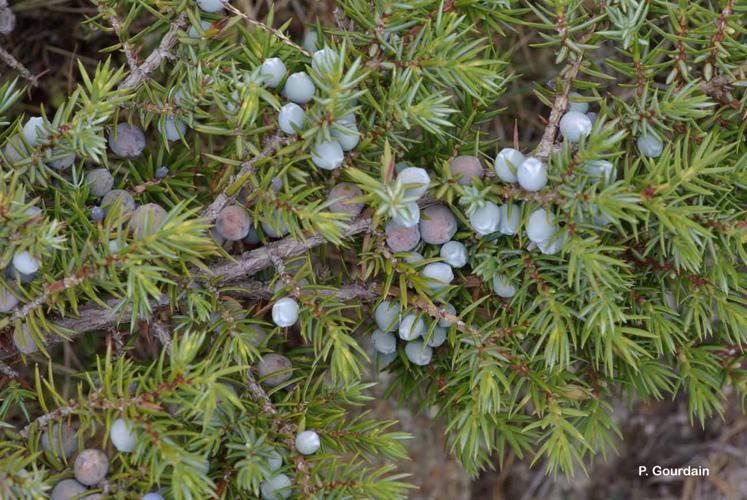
(559, 107)
(96, 401)
(116, 23)
(93, 316)
(212, 210)
(251, 289)
(283, 427)
(138, 75)
(11, 61)
(269, 29)
(255, 260)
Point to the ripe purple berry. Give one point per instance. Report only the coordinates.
(97, 214)
(342, 195)
(120, 198)
(400, 238)
(465, 168)
(161, 172)
(100, 181)
(67, 489)
(127, 142)
(438, 224)
(91, 466)
(63, 443)
(233, 223)
(274, 369)
(61, 161)
(275, 229)
(147, 220)
(173, 128)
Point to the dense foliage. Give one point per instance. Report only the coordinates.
(184, 227)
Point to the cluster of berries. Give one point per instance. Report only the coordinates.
(420, 338)
(91, 465)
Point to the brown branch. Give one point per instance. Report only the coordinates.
(255, 260)
(11, 61)
(283, 427)
(138, 75)
(247, 167)
(93, 316)
(251, 289)
(97, 402)
(116, 23)
(560, 105)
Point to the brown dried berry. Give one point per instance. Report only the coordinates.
(273, 363)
